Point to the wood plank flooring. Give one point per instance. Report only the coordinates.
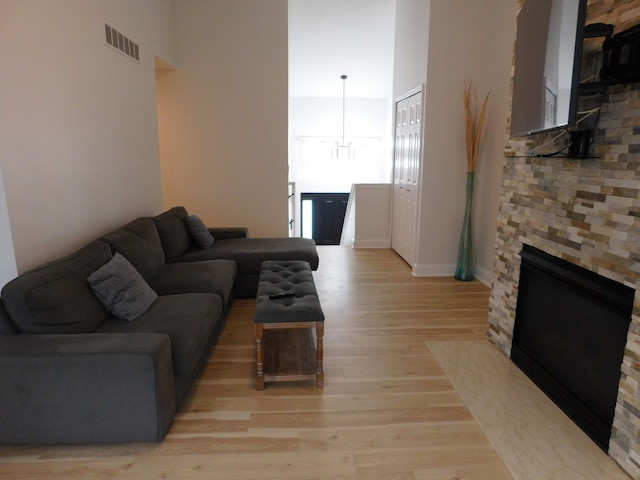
(387, 411)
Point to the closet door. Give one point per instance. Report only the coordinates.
(406, 174)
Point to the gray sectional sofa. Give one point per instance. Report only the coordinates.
(102, 345)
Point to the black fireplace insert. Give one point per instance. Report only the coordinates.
(569, 337)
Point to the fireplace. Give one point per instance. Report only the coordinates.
(569, 337)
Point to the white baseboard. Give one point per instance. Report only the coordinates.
(448, 270)
(373, 243)
(434, 270)
(484, 275)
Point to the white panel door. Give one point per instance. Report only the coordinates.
(406, 174)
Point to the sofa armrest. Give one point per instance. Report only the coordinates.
(83, 388)
(229, 232)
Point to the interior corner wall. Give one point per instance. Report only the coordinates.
(476, 45)
(223, 114)
(78, 131)
(491, 28)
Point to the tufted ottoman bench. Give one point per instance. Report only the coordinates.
(287, 309)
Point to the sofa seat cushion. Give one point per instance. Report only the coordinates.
(249, 253)
(210, 276)
(56, 297)
(174, 235)
(187, 319)
(138, 241)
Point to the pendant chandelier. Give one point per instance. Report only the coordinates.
(340, 150)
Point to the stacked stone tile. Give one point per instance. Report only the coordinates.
(586, 212)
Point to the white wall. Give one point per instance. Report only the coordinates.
(79, 138)
(78, 131)
(495, 76)
(322, 117)
(411, 45)
(223, 114)
(364, 117)
(475, 45)
(372, 212)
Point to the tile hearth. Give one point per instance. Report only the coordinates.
(533, 437)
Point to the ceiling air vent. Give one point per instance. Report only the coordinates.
(123, 44)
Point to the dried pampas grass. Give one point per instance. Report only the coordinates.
(474, 123)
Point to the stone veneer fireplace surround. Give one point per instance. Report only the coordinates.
(586, 212)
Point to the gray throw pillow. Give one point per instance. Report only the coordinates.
(199, 232)
(121, 289)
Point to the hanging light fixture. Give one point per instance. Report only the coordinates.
(340, 149)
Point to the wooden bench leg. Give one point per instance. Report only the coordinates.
(319, 353)
(259, 356)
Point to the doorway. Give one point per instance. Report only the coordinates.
(323, 216)
(329, 39)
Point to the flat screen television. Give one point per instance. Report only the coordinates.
(548, 56)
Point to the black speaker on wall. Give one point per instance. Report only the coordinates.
(621, 57)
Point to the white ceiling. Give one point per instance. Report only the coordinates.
(329, 38)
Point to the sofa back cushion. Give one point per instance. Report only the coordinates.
(138, 242)
(56, 297)
(7, 327)
(174, 235)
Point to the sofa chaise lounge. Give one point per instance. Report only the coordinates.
(103, 344)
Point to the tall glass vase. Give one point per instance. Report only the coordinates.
(464, 267)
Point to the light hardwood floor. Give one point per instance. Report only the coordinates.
(387, 410)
